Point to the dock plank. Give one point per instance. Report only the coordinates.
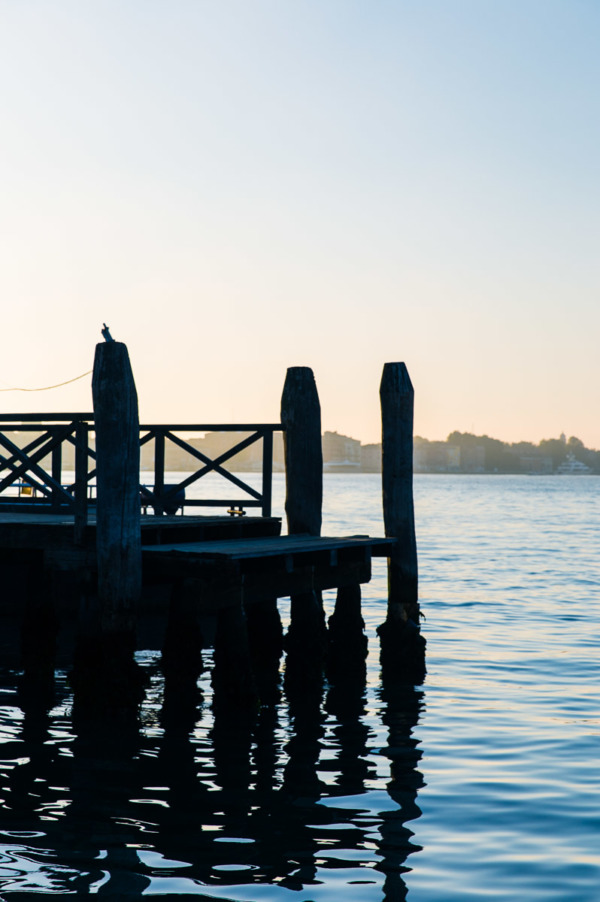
(274, 566)
(269, 547)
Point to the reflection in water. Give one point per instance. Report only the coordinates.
(211, 803)
(402, 704)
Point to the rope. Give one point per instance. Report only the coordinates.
(48, 387)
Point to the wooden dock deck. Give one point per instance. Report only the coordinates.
(38, 530)
(273, 566)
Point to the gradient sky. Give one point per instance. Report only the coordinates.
(238, 186)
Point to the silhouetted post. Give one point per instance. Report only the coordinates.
(111, 622)
(39, 632)
(265, 640)
(81, 485)
(232, 678)
(348, 644)
(402, 646)
(301, 421)
(118, 488)
(218, 587)
(181, 661)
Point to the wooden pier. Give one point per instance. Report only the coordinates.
(82, 553)
(278, 566)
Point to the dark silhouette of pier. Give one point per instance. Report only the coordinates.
(81, 558)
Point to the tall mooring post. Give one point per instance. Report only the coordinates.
(107, 674)
(402, 646)
(118, 488)
(301, 421)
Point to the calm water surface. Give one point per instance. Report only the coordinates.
(480, 784)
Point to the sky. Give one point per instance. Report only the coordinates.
(239, 186)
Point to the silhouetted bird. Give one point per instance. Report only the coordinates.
(106, 333)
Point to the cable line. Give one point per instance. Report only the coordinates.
(48, 387)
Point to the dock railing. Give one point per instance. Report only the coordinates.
(164, 497)
(32, 472)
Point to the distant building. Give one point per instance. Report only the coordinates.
(370, 458)
(436, 457)
(340, 452)
(213, 445)
(538, 464)
(472, 459)
(453, 458)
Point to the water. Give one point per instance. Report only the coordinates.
(482, 783)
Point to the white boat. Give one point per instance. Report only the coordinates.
(573, 467)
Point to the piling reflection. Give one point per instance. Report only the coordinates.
(288, 795)
(402, 705)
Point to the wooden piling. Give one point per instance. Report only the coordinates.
(347, 649)
(216, 588)
(38, 634)
(181, 660)
(105, 672)
(402, 646)
(232, 678)
(301, 421)
(118, 474)
(265, 640)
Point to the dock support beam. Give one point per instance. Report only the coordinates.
(348, 644)
(181, 660)
(232, 677)
(110, 643)
(265, 640)
(38, 634)
(402, 646)
(301, 420)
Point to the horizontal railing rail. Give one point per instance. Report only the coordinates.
(29, 483)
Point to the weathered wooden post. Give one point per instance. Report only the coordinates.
(118, 487)
(301, 420)
(402, 646)
(113, 681)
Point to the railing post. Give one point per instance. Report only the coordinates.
(56, 471)
(159, 471)
(267, 473)
(81, 485)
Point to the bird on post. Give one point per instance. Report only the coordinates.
(106, 333)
